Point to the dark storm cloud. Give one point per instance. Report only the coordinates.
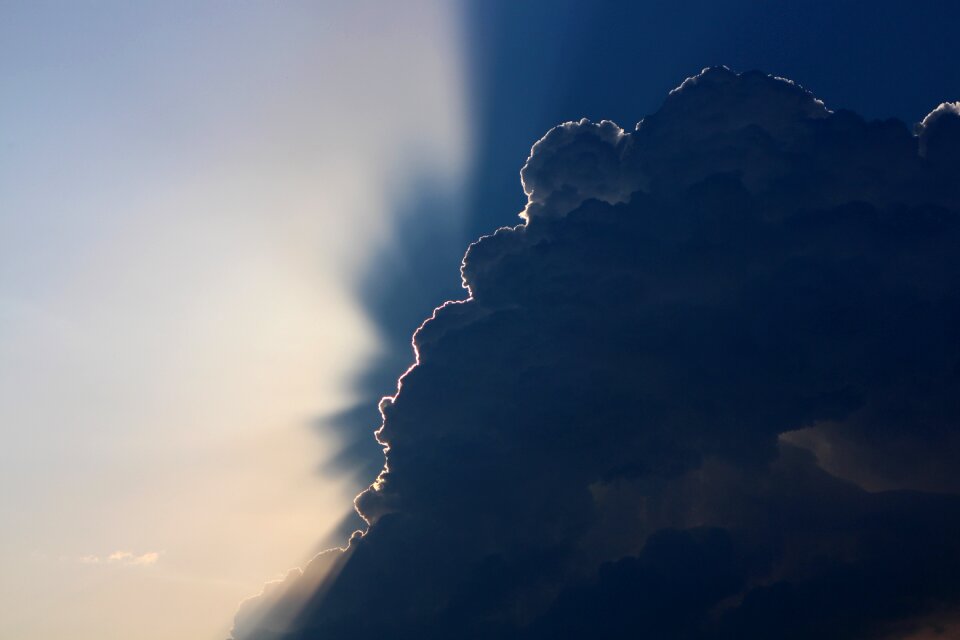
(667, 407)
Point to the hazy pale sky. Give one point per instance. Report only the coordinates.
(186, 193)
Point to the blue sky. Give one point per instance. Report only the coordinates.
(186, 192)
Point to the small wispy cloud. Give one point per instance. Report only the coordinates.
(122, 558)
(119, 556)
(145, 559)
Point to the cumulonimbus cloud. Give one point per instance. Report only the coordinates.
(709, 389)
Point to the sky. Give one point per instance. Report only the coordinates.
(219, 226)
(187, 193)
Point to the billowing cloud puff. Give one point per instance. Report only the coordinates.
(576, 162)
(939, 134)
(709, 390)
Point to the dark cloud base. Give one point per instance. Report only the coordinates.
(710, 390)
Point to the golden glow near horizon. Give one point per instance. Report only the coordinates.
(185, 196)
